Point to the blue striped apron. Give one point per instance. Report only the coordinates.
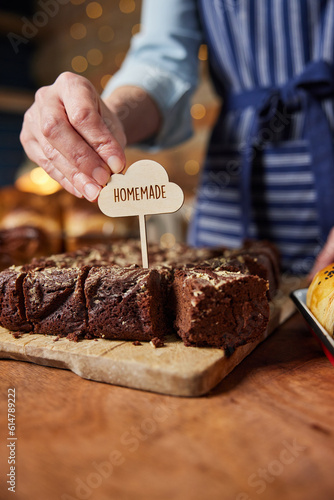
(269, 171)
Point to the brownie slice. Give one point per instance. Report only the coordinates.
(126, 303)
(219, 309)
(12, 314)
(55, 302)
(261, 261)
(270, 251)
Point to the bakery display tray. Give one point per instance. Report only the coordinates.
(326, 341)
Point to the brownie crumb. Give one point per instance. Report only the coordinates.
(136, 342)
(74, 336)
(156, 342)
(16, 335)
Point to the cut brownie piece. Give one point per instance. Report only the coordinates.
(55, 302)
(219, 309)
(126, 304)
(268, 249)
(261, 260)
(12, 314)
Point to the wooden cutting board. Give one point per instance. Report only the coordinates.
(173, 369)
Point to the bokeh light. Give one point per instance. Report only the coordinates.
(94, 10)
(37, 181)
(203, 53)
(191, 167)
(79, 64)
(135, 29)
(105, 34)
(78, 31)
(127, 6)
(119, 58)
(198, 111)
(104, 80)
(94, 57)
(167, 240)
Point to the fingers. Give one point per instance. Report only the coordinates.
(92, 121)
(325, 257)
(71, 134)
(35, 153)
(57, 166)
(59, 141)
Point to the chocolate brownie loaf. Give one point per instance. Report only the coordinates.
(109, 302)
(12, 315)
(126, 303)
(220, 309)
(213, 297)
(54, 300)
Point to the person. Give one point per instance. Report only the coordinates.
(269, 166)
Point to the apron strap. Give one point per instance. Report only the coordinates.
(303, 92)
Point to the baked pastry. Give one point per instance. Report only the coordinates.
(19, 244)
(85, 225)
(30, 225)
(320, 298)
(220, 309)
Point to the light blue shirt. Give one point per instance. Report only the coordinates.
(163, 60)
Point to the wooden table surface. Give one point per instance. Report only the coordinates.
(264, 433)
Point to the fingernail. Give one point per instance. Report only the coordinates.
(77, 193)
(91, 191)
(116, 164)
(100, 175)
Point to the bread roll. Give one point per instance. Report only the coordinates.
(85, 225)
(320, 298)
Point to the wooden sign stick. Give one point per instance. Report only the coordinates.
(144, 189)
(143, 240)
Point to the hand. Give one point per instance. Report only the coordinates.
(74, 136)
(325, 257)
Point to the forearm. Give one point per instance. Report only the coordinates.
(138, 112)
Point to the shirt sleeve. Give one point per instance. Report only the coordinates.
(163, 60)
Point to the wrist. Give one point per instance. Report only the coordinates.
(137, 111)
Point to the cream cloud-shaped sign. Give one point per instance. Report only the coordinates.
(143, 190)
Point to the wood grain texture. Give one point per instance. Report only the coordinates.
(266, 431)
(173, 369)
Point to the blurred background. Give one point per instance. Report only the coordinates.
(41, 39)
